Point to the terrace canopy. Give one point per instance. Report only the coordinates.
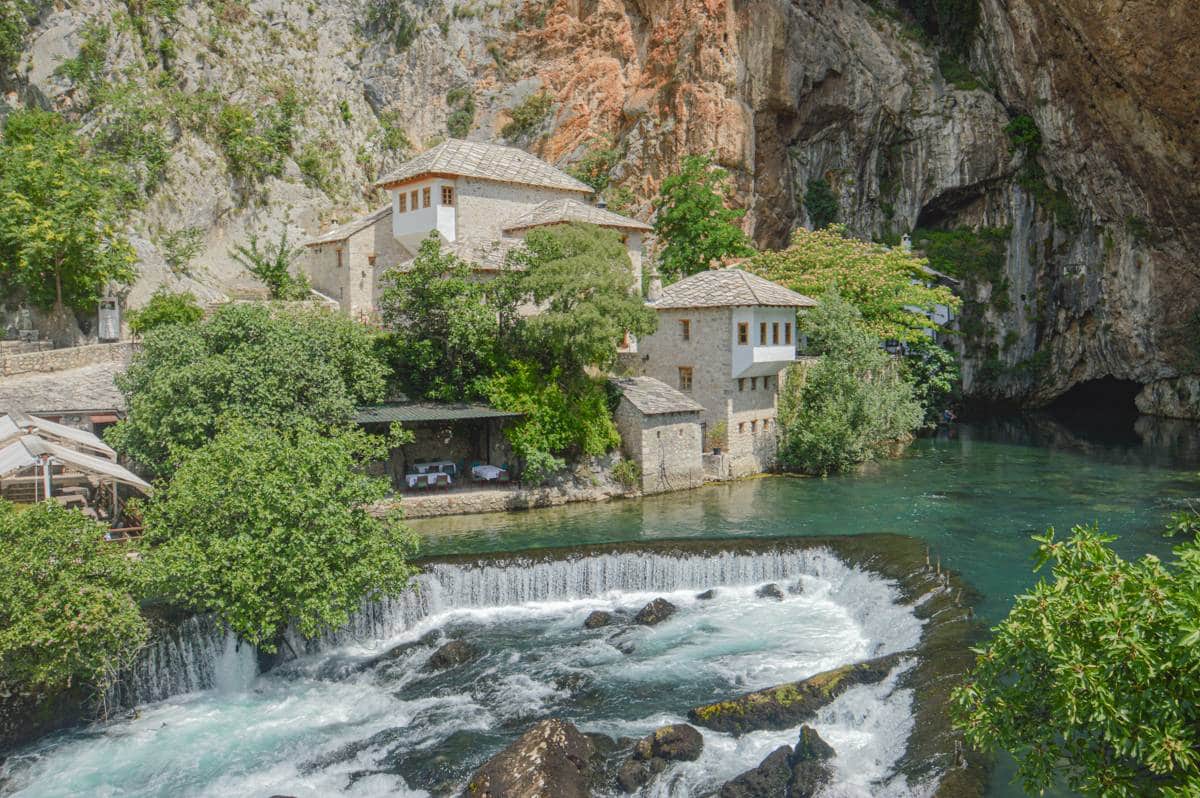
(30, 452)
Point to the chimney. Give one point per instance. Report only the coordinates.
(655, 288)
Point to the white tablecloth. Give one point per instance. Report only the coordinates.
(446, 466)
(411, 479)
(488, 472)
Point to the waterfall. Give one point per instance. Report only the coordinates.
(200, 654)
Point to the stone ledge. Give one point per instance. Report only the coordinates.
(51, 360)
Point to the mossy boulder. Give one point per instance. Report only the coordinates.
(678, 742)
(552, 758)
(597, 619)
(788, 705)
(655, 612)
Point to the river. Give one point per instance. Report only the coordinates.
(363, 715)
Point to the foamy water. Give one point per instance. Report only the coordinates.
(339, 722)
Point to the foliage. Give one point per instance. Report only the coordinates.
(165, 307)
(446, 334)
(66, 610)
(883, 283)
(627, 473)
(693, 222)
(969, 254)
(620, 199)
(15, 16)
(848, 407)
(60, 214)
(595, 166)
(957, 73)
(317, 165)
(272, 265)
(270, 528)
(257, 141)
(391, 135)
(1093, 678)
(181, 246)
(580, 277)
(821, 204)
(950, 23)
(561, 415)
(461, 101)
(933, 372)
(87, 67)
(1024, 134)
(272, 366)
(526, 116)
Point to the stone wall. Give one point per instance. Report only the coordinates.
(485, 207)
(49, 360)
(499, 499)
(667, 447)
(366, 256)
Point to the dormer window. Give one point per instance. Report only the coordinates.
(447, 195)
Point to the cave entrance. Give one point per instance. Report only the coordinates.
(1102, 408)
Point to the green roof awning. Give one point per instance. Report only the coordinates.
(428, 411)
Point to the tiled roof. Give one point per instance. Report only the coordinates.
(486, 161)
(717, 288)
(654, 397)
(87, 388)
(572, 210)
(428, 411)
(344, 231)
(485, 254)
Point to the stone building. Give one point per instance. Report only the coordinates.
(724, 339)
(481, 199)
(660, 431)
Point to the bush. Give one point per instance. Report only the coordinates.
(180, 247)
(628, 473)
(67, 612)
(462, 111)
(527, 116)
(165, 307)
(270, 528)
(272, 265)
(821, 204)
(597, 162)
(256, 142)
(851, 405)
(933, 372)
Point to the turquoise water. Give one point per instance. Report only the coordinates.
(976, 497)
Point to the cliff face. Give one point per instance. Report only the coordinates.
(1095, 228)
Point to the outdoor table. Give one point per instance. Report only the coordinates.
(443, 466)
(438, 478)
(487, 472)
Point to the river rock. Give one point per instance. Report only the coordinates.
(456, 652)
(768, 780)
(770, 591)
(787, 705)
(597, 619)
(812, 746)
(655, 612)
(796, 588)
(786, 773)
(707, 595)
(551, 760)
(678, 742)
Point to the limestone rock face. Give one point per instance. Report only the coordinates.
(551, 760)
(1100, 228)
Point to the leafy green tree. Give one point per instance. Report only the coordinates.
(851, 405)
(165, 307)
(580, 278)
(1094, 677)
(445, 330)
(272, 265)
(693, 221)
(67, 613)
(270, 528)
(933, 371)
(60, 214)
(269, 365)
(884, 283)
(595, 166)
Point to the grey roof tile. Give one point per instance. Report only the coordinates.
(654, 397)
(344, 231)
(716, 288)
(485, 161)
(572, 210)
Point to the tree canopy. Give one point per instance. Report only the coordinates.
(884, 283)
(1094, 676)
(67, 612)
(270, 365)
(849, 406)
(693, 221)
(446, 335)
(60, 214)
(165, 307)
(271, 527)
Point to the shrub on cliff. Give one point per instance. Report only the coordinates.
(67, 613)
(269, 365)
(848, 407)
(164, 308)
(270, 527)
(1094, 677)
(693, 221)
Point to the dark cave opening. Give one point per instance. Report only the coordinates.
(1103, 407)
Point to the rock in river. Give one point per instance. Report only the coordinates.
(597, 619)
(770, 591)
(551, 760)
(787, 705)
(456, 652)
(655, 612)
(678, 742)
(707, 595)
(786, 773)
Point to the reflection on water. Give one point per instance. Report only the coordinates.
(976, 494)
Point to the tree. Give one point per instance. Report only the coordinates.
(1094, 676)
(445, 331)
(580, 278)
(272, 265)
(851, 405)
(270, 528)
(693, 221)
(272, 366)
(821, 203)
(933, 371)
(165, 307)
(60, 214)
(67, 613)
(885, 284)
